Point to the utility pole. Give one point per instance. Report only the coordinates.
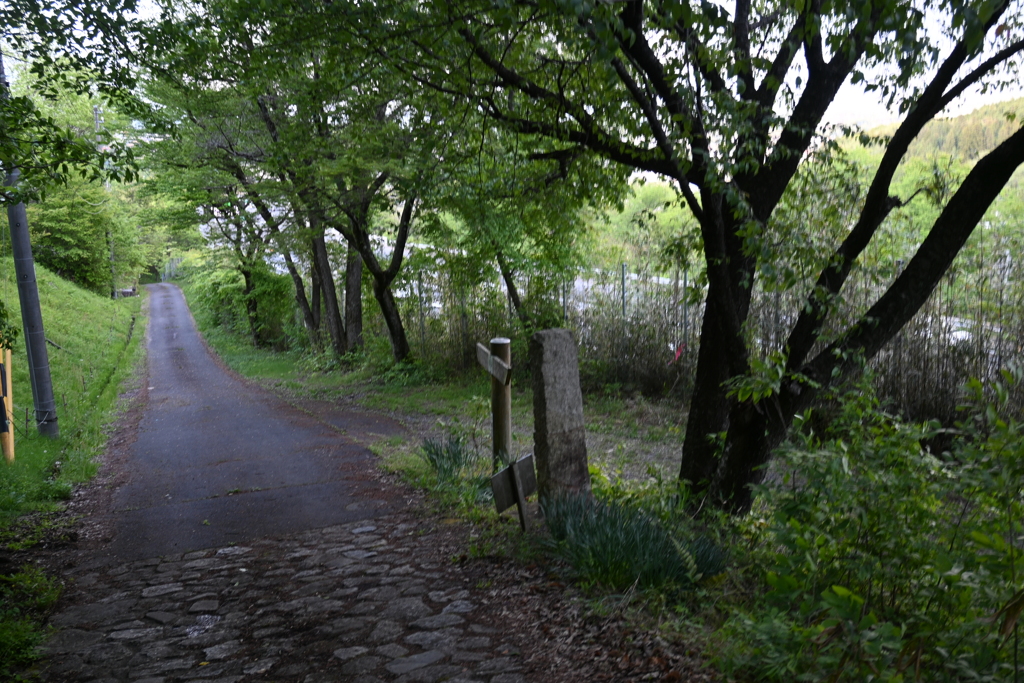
(28, 294)
(97, 118)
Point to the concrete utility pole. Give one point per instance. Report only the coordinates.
(28, 294)
(97, 118)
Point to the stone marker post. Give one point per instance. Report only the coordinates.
(559, 435)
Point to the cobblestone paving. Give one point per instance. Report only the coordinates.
(360, 602)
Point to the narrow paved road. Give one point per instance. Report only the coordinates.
(255, 541)
(218, 461)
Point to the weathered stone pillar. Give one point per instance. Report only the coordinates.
(559, 436)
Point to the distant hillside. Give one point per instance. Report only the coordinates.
(968, 136)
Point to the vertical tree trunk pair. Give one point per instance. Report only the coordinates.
(346, 333)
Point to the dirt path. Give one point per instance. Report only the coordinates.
(231, 537)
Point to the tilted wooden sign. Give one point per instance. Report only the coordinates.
(497, 368)
(512, 485)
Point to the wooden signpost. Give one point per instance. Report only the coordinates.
(498, 362)
(513, 484)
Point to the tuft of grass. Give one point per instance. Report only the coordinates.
(619, 546)
(449, 458)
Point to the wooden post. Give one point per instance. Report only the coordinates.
(498, 362)
(7, 438)
(501, 404)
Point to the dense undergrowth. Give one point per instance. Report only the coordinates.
(94, 344)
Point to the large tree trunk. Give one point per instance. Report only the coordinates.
(354, 298)
(335, 324)
(392, 318)
(709, 408)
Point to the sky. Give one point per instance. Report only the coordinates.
(854, 106)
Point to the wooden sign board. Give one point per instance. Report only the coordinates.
(494, 365)
(512, 485)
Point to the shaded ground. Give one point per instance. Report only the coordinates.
(233, 537)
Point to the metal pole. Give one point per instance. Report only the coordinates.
(28, 295)
(423, 326)
(623, 289)
(501, 405)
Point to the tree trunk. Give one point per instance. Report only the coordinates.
(392, 318)
(335, 325)
(251, 307)
(513, 291)
(354, 298)
(748, 448)
(301, 300)
(315, 290)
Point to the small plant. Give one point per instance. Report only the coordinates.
(448, 458)
(619, 546)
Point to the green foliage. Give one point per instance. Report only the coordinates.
(619, 546)
(26, 598)
(218, 295)
(881, 561)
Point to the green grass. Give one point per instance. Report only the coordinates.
(96, 343)
(95, 346)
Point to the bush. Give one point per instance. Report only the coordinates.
(880, 561)
(619, 546)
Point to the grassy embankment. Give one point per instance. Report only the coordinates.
(95, 344)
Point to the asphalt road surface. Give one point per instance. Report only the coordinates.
(218, 460)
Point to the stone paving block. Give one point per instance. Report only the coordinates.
(386, 630)
(404, 665)
(260, 666)
(438, 621)
(162, 589)
(361, 665)
(431, 674)
(160, 617)
(429, 640)
(392, 650)
(406, 609)
(136, 634)
(223, 650)
(459, 607)
(347, 653)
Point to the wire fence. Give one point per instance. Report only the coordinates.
(638, 331)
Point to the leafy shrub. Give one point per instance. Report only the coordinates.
(618, 546)
(880, 561)
(25, 599)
